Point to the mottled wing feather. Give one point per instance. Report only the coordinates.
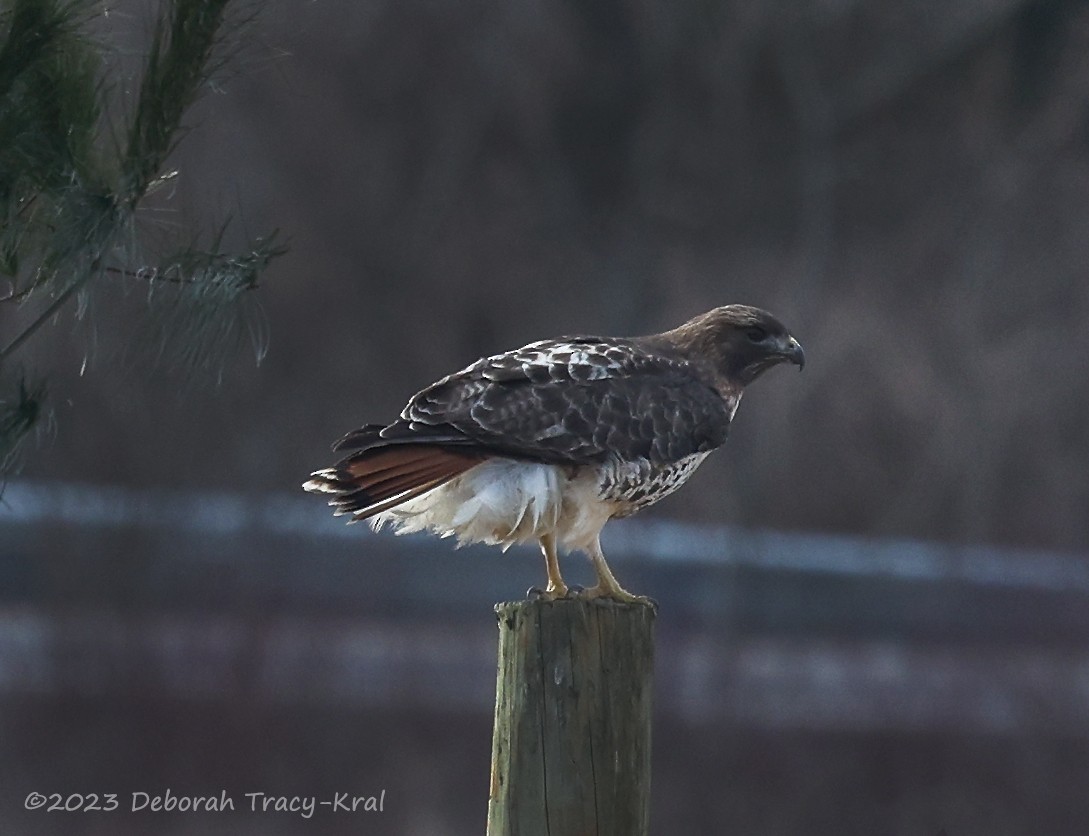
(573, 400)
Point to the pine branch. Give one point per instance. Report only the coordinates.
(34, 30)
(59, 301)
(70, 191)
(20, 412)
(179, 62)
(206, 314)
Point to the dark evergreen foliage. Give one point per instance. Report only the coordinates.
(72, 182)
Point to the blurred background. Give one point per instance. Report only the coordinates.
(874, 601)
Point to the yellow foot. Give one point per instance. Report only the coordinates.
(615, 594)
(551, 593)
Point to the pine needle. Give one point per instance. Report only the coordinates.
(72, 183)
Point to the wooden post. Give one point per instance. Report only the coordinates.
(571, 743)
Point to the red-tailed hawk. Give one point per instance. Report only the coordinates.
(550, 441)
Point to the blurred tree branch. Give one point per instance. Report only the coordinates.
(72, 182)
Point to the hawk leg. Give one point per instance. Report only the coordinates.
(556, 587)
(607, 586)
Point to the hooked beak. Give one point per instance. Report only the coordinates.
(793, 352)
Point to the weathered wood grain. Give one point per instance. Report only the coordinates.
(571, 742)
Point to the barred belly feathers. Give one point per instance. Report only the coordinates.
(550, 441)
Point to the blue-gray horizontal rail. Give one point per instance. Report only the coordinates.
(751, 682)
(200, 594)
(158, 550)
(221, 513)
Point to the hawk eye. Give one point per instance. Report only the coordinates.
(756, 334)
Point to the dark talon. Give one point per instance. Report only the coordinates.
(534, 593)
(574, 590)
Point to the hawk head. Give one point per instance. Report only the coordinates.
(739, 341)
